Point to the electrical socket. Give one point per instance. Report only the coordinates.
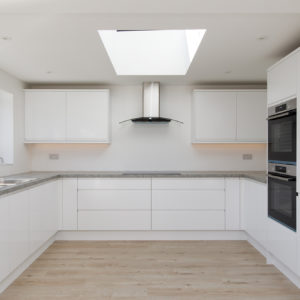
(54, 156)
(247, 156)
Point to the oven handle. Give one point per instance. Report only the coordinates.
(281, 115)
(281, 178)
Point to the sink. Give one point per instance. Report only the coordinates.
(4, 182)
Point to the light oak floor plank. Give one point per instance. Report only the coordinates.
(208, 270)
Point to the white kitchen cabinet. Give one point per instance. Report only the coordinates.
(188, 204)
(282, 78)
(114, 220)
(114, 204)
(5, 245)
(229, 116)
(251, 116)
(14, 231)
(44, 213)
(67, 116)
(255, 210)
(282, 243)
(114, 199)
(214, 116)
(88, 116)
(45, 116)
(233, 207)
(188, 220)
(69, 204)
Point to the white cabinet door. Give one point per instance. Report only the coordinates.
(214, 116)
(88, 116)
(5, 246)
(282, 243)
(255, 210)
(14, 231)
(44, 213)
(69, 207)
(232, 206)
(45, 116)
(282, 79)
(251, 116)
(19, 227)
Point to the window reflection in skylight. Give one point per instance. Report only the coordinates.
(151, 52)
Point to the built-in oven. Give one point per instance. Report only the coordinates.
(282, 133)
(282, 194)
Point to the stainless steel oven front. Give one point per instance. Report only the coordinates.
(282, 133)
(282, 194)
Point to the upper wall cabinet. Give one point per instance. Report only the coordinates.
(282, 78)
(251, 116)
(227, 116)
(67, 116)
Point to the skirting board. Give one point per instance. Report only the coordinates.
(149, 235)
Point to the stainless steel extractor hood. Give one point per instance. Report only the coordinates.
(151, 105)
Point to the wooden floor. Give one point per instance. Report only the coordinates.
(209, 270)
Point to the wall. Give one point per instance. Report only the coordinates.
(149, 147)
(21, 163)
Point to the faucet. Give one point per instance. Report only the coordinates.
(1, 160)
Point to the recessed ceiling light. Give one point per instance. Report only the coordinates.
(151, 52)
(262, 38)
(6, 38)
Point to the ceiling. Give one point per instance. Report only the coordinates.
(56, 41)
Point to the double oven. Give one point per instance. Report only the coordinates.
(282, 146)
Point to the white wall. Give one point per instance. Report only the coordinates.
(149, 146)
(21, 163)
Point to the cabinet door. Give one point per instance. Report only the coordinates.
(255, 210)
(282, 79)
(5, 246)
(19, 227)
(214, 116)
(88, 116)
(251, 116)
(69, 207)
(44, 213)
(232, 206)
(45, 115)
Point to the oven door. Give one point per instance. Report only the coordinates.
(282, 138)
(282, 200)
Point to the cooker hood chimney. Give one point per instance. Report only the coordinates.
(151, 105)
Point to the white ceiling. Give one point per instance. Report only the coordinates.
(56, 41)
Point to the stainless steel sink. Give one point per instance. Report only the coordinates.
(5, 182)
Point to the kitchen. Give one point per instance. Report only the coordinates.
(148, 165)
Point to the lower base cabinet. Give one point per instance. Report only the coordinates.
(27, 220)
(255, 210)
(188, 220)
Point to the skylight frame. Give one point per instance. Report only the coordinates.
(151, 52)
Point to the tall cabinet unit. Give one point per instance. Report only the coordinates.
(229, 116)
(67, 116)
(284, 84)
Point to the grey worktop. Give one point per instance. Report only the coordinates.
(41, 177)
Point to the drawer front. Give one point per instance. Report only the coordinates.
(114, 184)
(114, 220)
(188, 220)
(183, 199)
(188, 184)
(118, 199)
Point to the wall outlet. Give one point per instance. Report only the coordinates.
(247, 156)
(54, 156)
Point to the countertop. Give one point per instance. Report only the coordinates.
(41, 177)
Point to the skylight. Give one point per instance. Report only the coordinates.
(151, 52)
